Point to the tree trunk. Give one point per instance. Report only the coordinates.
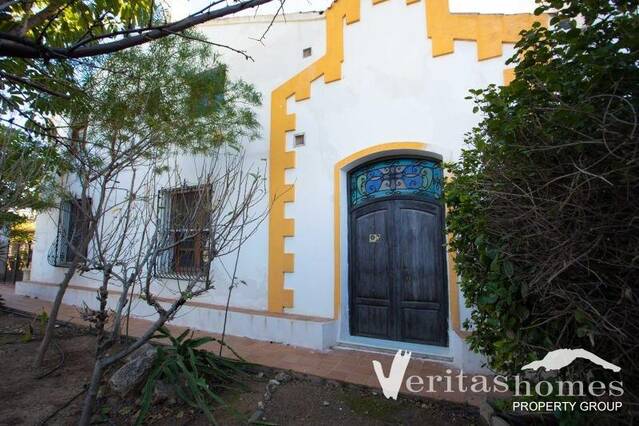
(103, 362)
(53, 315)
(92, 392)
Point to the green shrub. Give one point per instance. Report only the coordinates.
(543, 206)
(196, 375)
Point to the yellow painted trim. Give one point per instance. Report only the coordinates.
(453, 285)
(453, 289)
(509, 75)
(382, 1)
(490, 31)
(337, 201)
(280, 227)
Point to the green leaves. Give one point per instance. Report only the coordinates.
(196, 375)
(35, 90)
(173, 93)
(539, 211)
(27, 174)
(207, 90)
(487, 299)
(62, 23)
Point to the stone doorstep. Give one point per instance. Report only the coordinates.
(345, 346)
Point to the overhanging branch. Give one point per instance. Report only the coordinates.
(22, 47)
(33, 84)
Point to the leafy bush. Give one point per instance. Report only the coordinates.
(28, 172)
(195, 374)
(543, 206)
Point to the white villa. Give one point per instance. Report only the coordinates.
(362, 104)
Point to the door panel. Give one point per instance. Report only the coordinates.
(420, 264)
(372, 321)
(422, 326)
(418, 237)
(398, 282)
(370, 250)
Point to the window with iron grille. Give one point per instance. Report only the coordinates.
(72, 227)
(184, 223)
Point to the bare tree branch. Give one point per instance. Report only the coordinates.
(18, 46)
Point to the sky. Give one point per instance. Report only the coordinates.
(181, 8)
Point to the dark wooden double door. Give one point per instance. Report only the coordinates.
(397, 271)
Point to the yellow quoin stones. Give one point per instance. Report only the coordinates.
(490, 31)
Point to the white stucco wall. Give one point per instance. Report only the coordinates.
(392, 89)
(275, 58)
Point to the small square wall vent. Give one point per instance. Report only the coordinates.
(299, 140)
(307, 52)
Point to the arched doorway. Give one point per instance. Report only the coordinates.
(397, 264)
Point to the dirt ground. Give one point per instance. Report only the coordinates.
(29, 396)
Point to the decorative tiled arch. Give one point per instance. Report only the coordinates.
(443, 27)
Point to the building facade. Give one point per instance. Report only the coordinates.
(363, 103)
